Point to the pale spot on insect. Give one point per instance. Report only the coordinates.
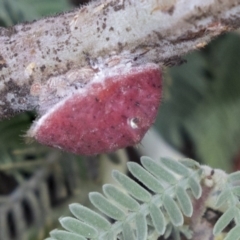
(29, 69)
(133, 122)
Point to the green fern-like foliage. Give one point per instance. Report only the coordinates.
(138, 212)
(229, 196)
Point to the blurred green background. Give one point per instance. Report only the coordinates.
(199, 117)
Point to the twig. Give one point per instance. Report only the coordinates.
(43, 61)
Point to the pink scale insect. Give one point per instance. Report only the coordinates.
(114, 110)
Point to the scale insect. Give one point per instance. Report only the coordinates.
(111, 113)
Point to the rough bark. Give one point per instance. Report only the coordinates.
(44, 61)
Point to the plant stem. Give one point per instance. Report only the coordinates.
(42, 60)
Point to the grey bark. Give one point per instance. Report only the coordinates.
(43, 61)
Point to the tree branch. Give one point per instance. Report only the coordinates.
(43, 61)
